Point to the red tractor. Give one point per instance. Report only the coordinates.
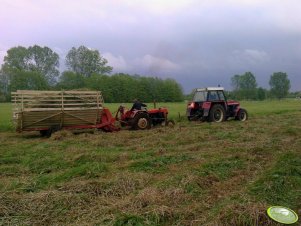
(210, 104)
(142, 119)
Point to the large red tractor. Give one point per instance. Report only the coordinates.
(210, 104)
(143, 119)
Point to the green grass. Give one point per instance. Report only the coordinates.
(282, 182)
(6, 117)
(192, 174)
(262, 108)
(221, 168)
(158, 164)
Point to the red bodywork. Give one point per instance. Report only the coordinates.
(229, 104)
(155, 116)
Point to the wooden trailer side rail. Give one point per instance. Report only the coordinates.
(34, 110)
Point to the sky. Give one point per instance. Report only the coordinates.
(198, 43)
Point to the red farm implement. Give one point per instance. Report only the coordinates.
(50, 111)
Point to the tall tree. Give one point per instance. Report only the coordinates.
(33, 59)
(85, 61)
(44, 61)
(280, 84)
(244, 86)
(16, 59)
(235, 82)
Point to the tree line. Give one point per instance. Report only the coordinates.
(245, 87)
(37, 68)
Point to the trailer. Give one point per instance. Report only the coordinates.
(50, 111)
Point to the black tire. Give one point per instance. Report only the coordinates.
(242, 115)
(43, 133)
(196, 116)
(217, 113)
(46, 133)
(141, 121)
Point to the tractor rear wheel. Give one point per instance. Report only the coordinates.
(141, 121)
(217, 113)
(242, 115)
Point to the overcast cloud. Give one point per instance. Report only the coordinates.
(197, 42)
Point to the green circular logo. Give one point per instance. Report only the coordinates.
(282, 214)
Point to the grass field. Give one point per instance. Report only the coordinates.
(192, 174)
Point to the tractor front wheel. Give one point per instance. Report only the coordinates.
(242, 115)
(141, 121)
(217, 113)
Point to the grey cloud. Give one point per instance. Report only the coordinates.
(199, 43)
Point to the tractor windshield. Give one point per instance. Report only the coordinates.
(200, 96)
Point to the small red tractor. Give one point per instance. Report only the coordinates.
(210, 104)
(143, 119)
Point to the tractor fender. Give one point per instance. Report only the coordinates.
(236, 111)
(206, 108)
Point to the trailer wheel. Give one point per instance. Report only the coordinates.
(47, 133)
(43, 133)
(242, 115)
(141, 121)
(217, 113)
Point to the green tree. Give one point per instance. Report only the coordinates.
(44, 61)
(85, 61)
(280, 84)
(172, 91)
(102, 83)
(124, 88)
(71, 80)
(27, 80)
(35, 59)
(244, 86)
(16, 59)
(235, 82)
(248, 81)
(261, 93)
